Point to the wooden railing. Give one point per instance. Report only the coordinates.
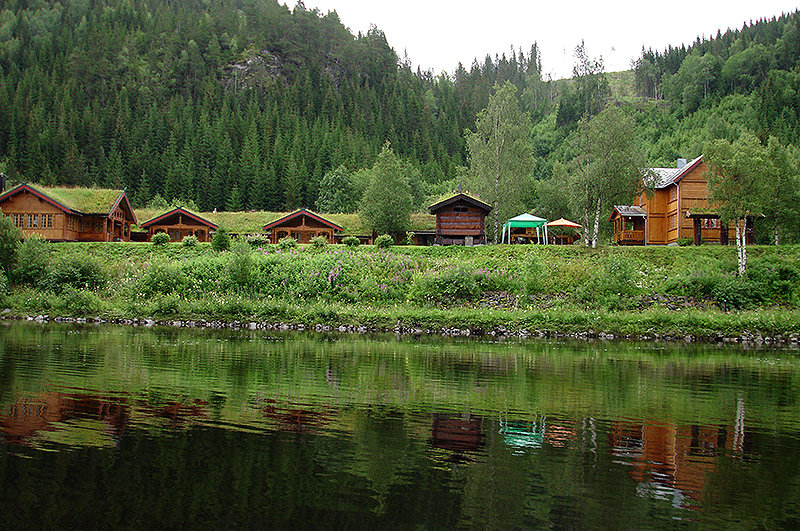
(629, 236)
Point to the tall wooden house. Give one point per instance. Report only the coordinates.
(302, 225)
(179, 223)
(460, 220)
(677, 206)
(70, 214)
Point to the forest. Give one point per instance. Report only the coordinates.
(253, 105)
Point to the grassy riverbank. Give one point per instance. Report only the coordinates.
(641, 292)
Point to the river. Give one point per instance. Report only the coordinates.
(113, 427)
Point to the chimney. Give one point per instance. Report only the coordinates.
(680, 163)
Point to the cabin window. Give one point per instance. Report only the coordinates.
(673, 193)
(710, 223)
(673, 222)
(460, 209)
(19, 220)
(47, 221)
(33, 219)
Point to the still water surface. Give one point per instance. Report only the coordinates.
(125, 428)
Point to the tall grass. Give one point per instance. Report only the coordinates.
(552, 288)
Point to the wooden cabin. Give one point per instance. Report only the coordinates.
(302, 225)
(179, 223)
(629, 222)
(677, 206)
(460, 220)
(69, 214)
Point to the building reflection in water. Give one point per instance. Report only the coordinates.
(671, 461)
(459, 436)
(296, 418)
(32, 417)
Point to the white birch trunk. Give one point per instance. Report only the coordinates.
(596, 224)
(741, 252)
(586, 224)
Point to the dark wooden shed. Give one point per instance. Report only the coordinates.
(460, 220)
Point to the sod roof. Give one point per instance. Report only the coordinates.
(252, 222)
(85, 200)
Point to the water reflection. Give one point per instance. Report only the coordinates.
(461, 437)
(286, 432)
(522, 434)
(30, 418)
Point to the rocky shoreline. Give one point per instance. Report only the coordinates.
(753, 340)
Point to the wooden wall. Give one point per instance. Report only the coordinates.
(23, 205)
(35, 216)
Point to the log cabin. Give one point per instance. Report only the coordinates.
(69, 214)
(460, 220)
(179, 223)
(302, 225)
(676, 206)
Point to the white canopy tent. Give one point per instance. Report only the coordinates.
(527, 221)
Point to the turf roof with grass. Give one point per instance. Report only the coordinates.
(251, 222)
(83, 200)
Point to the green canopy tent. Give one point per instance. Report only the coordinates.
(525, 221)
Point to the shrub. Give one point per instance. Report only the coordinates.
(453, 285)
(240, 266)
(613, 284)
(777, 280)
(532, 274)
(32, 257)
(3, 286)
(733, 292)
(189, 241)
(620, 274)
(160, 277)
(73, 271)
(221, 240)
(287, 243)
(698, 284)
(160, 238)
(685, 241)
(78, 302)
(205, 274)
(258, 240)
(319, 242)
(351, 241)
(10, 237)
(384, 241)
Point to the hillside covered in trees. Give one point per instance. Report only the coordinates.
(249, 104)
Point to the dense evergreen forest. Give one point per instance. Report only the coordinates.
(248, 104)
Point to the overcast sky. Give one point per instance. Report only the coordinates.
(438, 34)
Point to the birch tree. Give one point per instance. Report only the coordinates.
(738, 175)
(607, 167)
(501, 156)
(387, 202)
(782, 200)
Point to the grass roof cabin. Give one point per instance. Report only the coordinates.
(179, 223)
(302, 225)
(70, 214)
